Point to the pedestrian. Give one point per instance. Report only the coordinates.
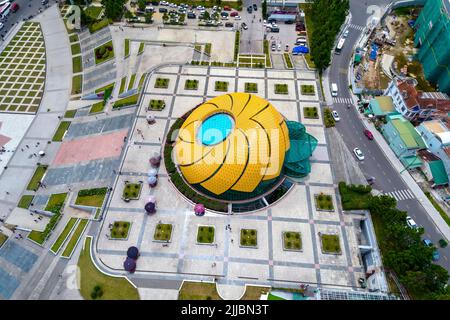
(7, 192)
(27, 146)
(232, 241)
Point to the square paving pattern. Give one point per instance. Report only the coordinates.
(22, 70)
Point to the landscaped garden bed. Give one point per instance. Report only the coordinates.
(191, 85)
(311, 113)
(97, 107)
(132, 191)
(324, 202)
(162, 83)
(37, 177)
(104, 53)
(120, 230)
(281, 88)
(287, 59)
(91, 197)
(156, 105)
(249, 238)
(292, 241)
(251, 87)
(328, 118)
(25, 201)
(221, 86)
(163, 232)
(205, 235)
(307, 90)
(330, 243)
(125, 102)
(61, 131)
(63, 235)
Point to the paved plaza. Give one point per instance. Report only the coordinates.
(22, 70)
(225, 259)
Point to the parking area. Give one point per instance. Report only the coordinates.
(22, 71)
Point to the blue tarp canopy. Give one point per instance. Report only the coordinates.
(300, 49)
(282, 17)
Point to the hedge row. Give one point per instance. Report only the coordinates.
(92, 192)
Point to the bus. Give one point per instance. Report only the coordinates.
(4, 9)
(339, 46)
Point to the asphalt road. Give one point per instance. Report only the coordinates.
(26, 9)
(351, 129)
(252, 38)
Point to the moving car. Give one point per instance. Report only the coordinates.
(275, 29)
(14, 7)
(345, 35)
(358, 153)
(244, 26)
(430, 244)
(44, 2)
(334, 90)
(249, 9)
(411, 223)
(1, 26)
(335, 115)
(368, 134)
(255, 7)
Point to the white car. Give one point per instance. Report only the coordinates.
(279, 47)
(358, 153)
(345, 35)
(335, 115)
(237, 18)
(200, 8)
(163, 3)
(411, 223)
(1, 26)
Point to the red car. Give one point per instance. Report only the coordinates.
(226, 8)
(368, 134)
(234, 14)
(14, 7)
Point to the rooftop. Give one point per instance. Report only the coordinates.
(382, 105)
(407, 132)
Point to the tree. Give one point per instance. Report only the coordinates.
(148, 17)
(114, 9)
(141, 5)
(264, 9)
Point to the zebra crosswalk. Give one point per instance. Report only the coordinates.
(342, 100)
(354, 26)
(400, 195)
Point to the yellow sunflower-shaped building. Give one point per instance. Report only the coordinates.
(232, 147)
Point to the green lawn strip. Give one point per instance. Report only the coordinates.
(131, 83)
(120, 230)
(354, 197)
(287, 59)
(310, 112)
(156, 105)
(236, 45)
(97, 213)
(127, 48)
(77, 83)
(25, 201)
(70, 113)
(281, 88)
(208, 49)
(104, 88)
(63, 235)
(163, 232)
(55, 204)
(104, 52)
(438, 208)
(128, 101)
(75, 237)
(249, 238)
(114, 288)
(37, 177)
(76, 49)
(292, 240)
(267, 53)
(309, 31)
(76, 64)
(91, 197)
(141, 81)
(93, 12)
(61, 131)
(141, 48)
(205, 234)
(198, 291)
(97, 107)
(330, 243)
(96, 26)
(74, 38)
(123, 82)
(307, 90)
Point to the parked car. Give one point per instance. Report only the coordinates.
(200, 8)
(234, 14)
(370, 180)
(224, 14)
(368, 134)
(289, 22)
(191, 15)
(229, 24)
(275, 29)
(163, 3)
(335, 115)
(286, 49)
(411, 223)
(162, 10)
(279, 47)
(226, 8)
(237, 18)
(14, 7)
(244, 26)
(274, 46)
(44, 2)
(1, 26)
(255, 7)
(301, 41)
(358, 153)
(430, 244)
(249, 9)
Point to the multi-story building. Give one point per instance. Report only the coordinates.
(417, 106)
(436, 135)
(404, 140)
(433, 39)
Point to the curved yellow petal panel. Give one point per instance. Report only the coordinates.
(249, 152)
